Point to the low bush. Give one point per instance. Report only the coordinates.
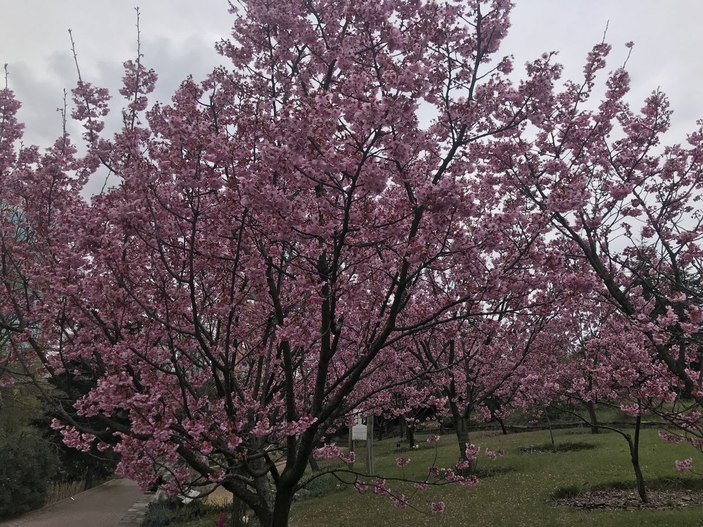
(171, 511)
(319, 487)
(27, 464)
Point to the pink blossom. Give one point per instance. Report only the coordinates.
(463, 464)
(402, 461)
(361, 487)
(470, 480)
(438, 507)
(380, 488)
(400, 501)
(347, 457)
(683, 465)
(276, 229)
(472, 451)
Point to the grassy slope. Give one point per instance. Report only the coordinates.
(515, 495)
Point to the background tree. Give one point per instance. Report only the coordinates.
(628, 211)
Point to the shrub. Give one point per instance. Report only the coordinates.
(319, 487)
(171, 511)
(27, 464)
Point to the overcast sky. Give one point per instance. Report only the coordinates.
(178, 38)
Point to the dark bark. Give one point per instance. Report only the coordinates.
(502, 426)
(551, 431)
(591, 406)
(281, 508)
(493, 405)
(239, 510)
(635, 458)
(402, 426)
(314, 466)
(381, 428)
(410, 435)
(462, 434)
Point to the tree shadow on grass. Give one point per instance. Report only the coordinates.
(487, 472)
(548, 448)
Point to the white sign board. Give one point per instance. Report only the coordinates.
(359, 432)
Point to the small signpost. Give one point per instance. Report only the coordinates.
(358, 430)
(369, 445)
(363, 432)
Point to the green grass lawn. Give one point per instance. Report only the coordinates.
(514, 491)
(517, 491)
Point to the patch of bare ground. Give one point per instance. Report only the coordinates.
(624, 499)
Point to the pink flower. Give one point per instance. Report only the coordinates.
(433, 439)
(471, 481)
(402, 461)
(361, 487)
(683, 465)
(347, 457)
(400, 501)
(452, 476)
(438, 507)
(490, 454)
(380, 488)
(472, 451)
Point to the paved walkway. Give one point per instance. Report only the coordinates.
(116, 503)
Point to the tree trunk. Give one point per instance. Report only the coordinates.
(281, 508)
(502, 426)
(370, 469)
(314, 466)
(410, 435)
(462, 434)
(266, 494)
(551, 431)
(635, 457)
(350, 465)
(595, 429)
(493, 405)
(239, 511)
(402, 427)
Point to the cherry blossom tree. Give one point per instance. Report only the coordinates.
(271, 234)
(628, 210)
(485, 366)
(627, 205)
(284, 233)
(613, 367)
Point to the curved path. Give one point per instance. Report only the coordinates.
(117, 502)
